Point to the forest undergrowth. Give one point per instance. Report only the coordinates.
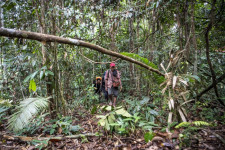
(96, 125)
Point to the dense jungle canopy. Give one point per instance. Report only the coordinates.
(170, 56)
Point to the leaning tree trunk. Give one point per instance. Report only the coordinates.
(50, 38)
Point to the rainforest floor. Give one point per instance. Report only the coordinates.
(210, 138)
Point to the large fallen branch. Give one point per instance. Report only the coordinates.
(51, 38)
(211, 86)
(53, 139)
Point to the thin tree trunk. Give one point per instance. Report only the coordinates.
(131, 47)
(179, 27)
(209, 27)
(194, 38)
(186, 32)
(1, 50)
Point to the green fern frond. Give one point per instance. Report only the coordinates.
(27, 109)
(200, 123)
(195, 123)
(158, 78)
(183, 124)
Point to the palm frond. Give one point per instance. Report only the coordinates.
(159, 79)
(27, 109)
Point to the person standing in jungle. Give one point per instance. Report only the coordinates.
(112, 83)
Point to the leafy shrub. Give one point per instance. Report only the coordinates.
(121, 121)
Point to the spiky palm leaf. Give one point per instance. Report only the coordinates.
(27, 109)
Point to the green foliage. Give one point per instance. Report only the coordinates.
(5, 103)
(88, 100)
(62, 123)
(195, 123)
(149, 136)
(144, 107)
(26, 110)
(190, 130)
(122, 122)
(201, 123)
(32, 86)
(183, 124)
(158, 78)
(117, 119)
(40, 144)
(40, 125)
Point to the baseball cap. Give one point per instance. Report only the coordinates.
(112, 65)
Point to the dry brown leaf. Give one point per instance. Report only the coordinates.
(148, 2)
(182, 115)
(174, 81)
(157, 139)
(60, 130)
(170, 117)
(172, 103)
(169, 104)
(23, 148)
(153, 148)
(24, 138)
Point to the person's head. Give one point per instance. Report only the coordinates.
(112, 66)
(98, 81)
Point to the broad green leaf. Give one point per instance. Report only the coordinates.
(196, 78)
(123, 112)
(27, 78)
(32, 86)
(44, 67)
(114, 124)
(41, 74)
(52, 131)
(145, 100)
(101, 116)
(148, 136)
(111, 118)
(48, 73)
(33, 75)
(102, 122)
(24, 47)
(75, 128)
(109, 108)
(153, 112)
(107, 125)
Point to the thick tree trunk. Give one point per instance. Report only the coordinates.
(45, 58)
(51, 38)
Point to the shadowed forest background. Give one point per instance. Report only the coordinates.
(171, 58)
